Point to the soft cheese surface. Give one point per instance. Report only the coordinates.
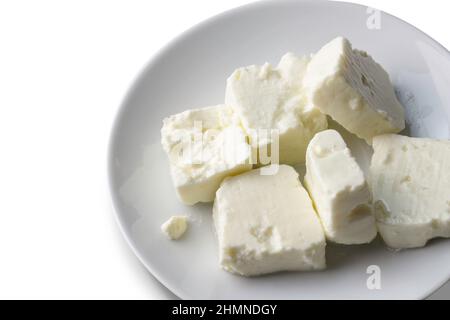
(339, 190)
(410, 181)
(204, 146)
(354, 90)
(268, 98)
(266, 223)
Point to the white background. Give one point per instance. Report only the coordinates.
(64, 68)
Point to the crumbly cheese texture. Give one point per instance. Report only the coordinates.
(339, 190)
(348, 85)
(266, 99)
(267, 223)
(204, 146)
(410, 181)
(175, 227)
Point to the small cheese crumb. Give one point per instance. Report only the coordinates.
(175, 227)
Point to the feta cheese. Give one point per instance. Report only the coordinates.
(204, 146)
(339, 190)
(175, 227)
(410, 181)
(348, 85)
(266, 223)
(273, 110)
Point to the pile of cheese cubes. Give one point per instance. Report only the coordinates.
(239, 155)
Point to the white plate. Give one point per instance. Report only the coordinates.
(191, 72)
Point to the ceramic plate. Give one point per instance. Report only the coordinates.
(191, 72)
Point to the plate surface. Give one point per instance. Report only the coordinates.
(191, 72)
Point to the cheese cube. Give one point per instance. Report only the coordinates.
(204, 146)
(273, 109)
(266, 223)
(410, 181)
(348, 85)
(339, 190)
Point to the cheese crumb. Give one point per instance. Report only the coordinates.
(175, 227)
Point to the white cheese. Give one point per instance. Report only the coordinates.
(267, 223)
(339, 190)
(273, 109)
(354, 90)
(175, 227)
(410, 181)
(204, 146)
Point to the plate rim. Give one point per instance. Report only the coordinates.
(133, 84)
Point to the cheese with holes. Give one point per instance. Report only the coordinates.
(267, 223)
(204, 146)
(410, 181)
(339, 190)
(273, 109)
(348, 85)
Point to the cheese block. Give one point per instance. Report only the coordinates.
(410, 181)
(267, 223)
(273, 109)
(339, 190)
(204, 146)
(348, 85)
